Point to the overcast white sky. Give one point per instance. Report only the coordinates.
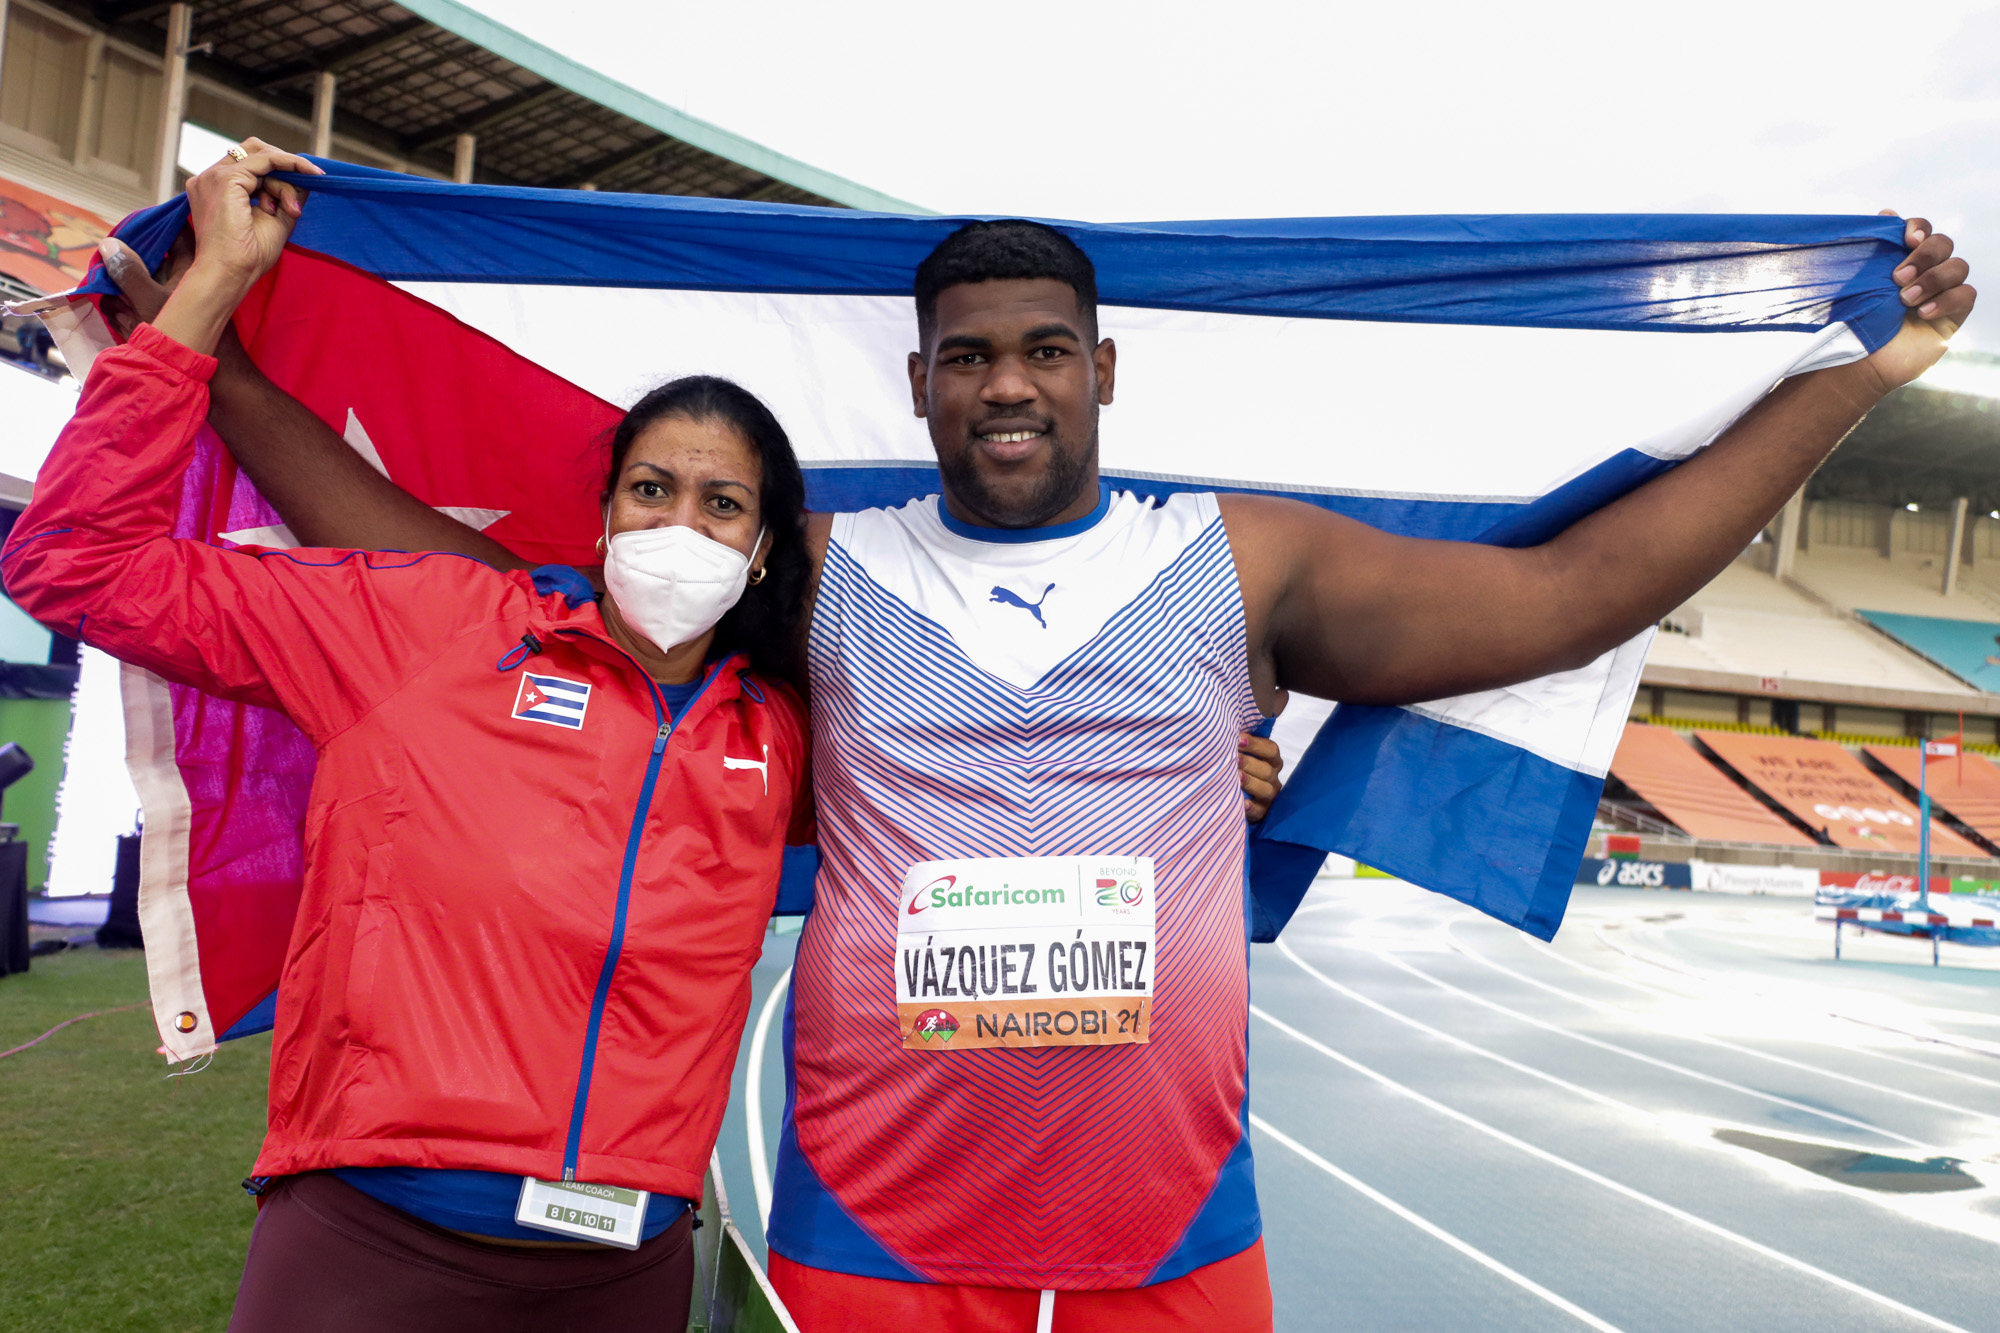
(1134, 111)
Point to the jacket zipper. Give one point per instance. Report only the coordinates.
(667, 724)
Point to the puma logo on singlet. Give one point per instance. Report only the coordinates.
(1034, 608)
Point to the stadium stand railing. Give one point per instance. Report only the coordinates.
(1687, 725)
(1629, 816)
(1850, 739)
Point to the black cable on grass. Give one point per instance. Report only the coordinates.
(95, 1013)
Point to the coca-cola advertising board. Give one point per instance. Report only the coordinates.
(1875, 881)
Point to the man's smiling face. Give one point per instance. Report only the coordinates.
(1010, 385)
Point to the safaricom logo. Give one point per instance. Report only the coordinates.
(945, 891)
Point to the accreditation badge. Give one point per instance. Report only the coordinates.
(1025, 951)
(607, 1214)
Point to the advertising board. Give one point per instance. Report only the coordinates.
(1622, 874)
(1875, 881)
(1781, 881)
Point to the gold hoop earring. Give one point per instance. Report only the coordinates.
(757, 575)
(602, 549)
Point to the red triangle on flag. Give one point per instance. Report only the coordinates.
(421, 378)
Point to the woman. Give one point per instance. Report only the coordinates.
(544, 836)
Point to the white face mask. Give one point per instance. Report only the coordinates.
(673, 584)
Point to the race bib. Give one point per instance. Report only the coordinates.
(1025, 951)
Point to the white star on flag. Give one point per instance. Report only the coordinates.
(280, 537)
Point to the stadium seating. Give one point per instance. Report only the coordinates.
(1849, 579)
(1831, 790)
(1967, 787)
(1696, 795)
(1969, 649)
(1750, 623)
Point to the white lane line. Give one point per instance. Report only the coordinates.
(1643, 1021)
(1432, 1230)
(1627, 982)
(1753, 992)
(1616, 1187)
(1920, 1064)
(1668, 1065)
(753, 1102)
(1651, 1118)
(1966, 958)
(1976, 1045)
(1590, 1094)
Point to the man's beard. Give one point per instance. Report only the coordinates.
(1056, 490)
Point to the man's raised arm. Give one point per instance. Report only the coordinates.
(326, 493)
(1340, 610)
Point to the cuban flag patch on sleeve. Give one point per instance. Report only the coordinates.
(551, 699)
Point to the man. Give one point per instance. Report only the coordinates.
(1018, 1036)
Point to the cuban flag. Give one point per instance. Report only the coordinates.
(1482, 378)
(551, 699)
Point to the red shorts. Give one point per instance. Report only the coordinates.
(1231, 1295)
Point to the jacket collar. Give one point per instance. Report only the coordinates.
(568, 608)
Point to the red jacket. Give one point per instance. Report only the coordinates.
(523, 946)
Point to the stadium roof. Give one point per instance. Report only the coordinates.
(412, 76)
(1926, 444)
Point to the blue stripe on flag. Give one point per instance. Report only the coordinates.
(1450, 809)
(574, 720)
(846, 487)
(1693, 272)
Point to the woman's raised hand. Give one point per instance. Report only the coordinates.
(241, 217)
(241, 220)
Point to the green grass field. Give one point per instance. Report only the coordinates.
(120, 1207)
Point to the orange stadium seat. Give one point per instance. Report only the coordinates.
(1831, 789)
(1694, 793)
(1973, 800)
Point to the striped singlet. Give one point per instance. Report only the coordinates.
(1073, 691)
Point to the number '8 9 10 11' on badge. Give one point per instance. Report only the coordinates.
(1025, 951)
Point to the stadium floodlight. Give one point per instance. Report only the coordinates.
(1912, 507)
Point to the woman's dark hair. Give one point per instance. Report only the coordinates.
(764, 624)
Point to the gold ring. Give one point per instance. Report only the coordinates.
(237, 153)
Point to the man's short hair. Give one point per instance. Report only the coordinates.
(996, 251)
